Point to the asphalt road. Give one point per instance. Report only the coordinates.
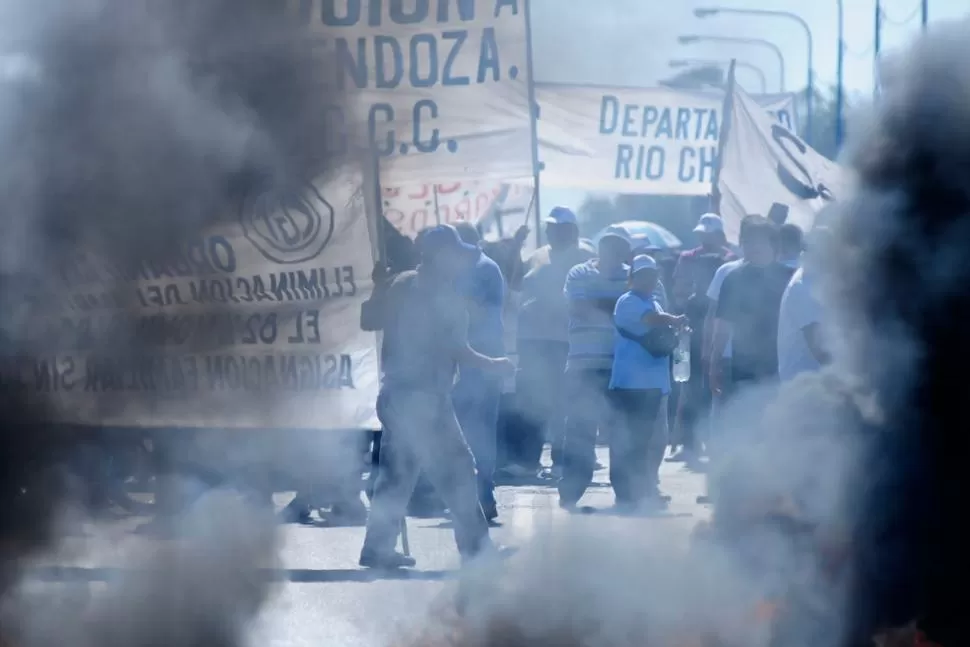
(324, 598)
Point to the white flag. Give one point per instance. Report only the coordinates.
(768, 170)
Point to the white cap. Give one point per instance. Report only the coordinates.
(617, 232)
(709, 223)
(561, 216)
(642, 262)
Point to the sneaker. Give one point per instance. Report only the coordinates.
(385, 561)
(549, 474)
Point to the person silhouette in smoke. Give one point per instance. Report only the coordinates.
(802, 347)
(477, 393)
(425, 324)
(592, 290)
(693, 274)
(542, 342)
(748, 308)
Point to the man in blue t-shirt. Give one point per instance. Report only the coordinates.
(477, 393)
(639, 385)
(592, 289)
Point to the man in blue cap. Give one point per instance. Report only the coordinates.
(425, 325)
(592, 290)
(543, 342)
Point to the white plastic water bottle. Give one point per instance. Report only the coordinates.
(682, 358)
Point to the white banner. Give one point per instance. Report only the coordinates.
(413, 208)
(770, 171)
(629, 140)
(254, 325)
(442, 87)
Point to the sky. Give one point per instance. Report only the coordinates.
(630, 42)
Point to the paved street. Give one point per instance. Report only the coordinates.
(327, 600)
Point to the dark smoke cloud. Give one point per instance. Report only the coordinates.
(906, 282)
(126, 127)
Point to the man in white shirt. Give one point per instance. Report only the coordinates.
(801, 346)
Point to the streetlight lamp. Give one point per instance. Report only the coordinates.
(695, 38)
(741, 64)
(810, 83)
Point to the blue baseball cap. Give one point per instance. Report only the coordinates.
(561, 216)
(442, 237)
(643, 262)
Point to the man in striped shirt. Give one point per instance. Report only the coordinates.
(592, 289)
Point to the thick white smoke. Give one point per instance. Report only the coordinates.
(837, 495)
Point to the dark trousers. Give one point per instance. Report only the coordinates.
(697, 400)
(421, 432)
(511, 432)
(423, 496)
(588, 409)
(539, 385)
(633, 461)
(476, 397)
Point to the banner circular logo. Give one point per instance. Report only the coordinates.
(288, 226)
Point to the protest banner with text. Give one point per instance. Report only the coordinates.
(440, 86)
(413, 208)
(255, 324)
(657, 141)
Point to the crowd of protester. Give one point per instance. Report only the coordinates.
(595, 331)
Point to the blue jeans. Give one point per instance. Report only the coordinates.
(477, 397)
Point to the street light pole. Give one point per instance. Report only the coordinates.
(763, 81)
(877, 39)
(839, 74)
(810, 80)
(925, 13)
(876, 46)
(695, 38)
